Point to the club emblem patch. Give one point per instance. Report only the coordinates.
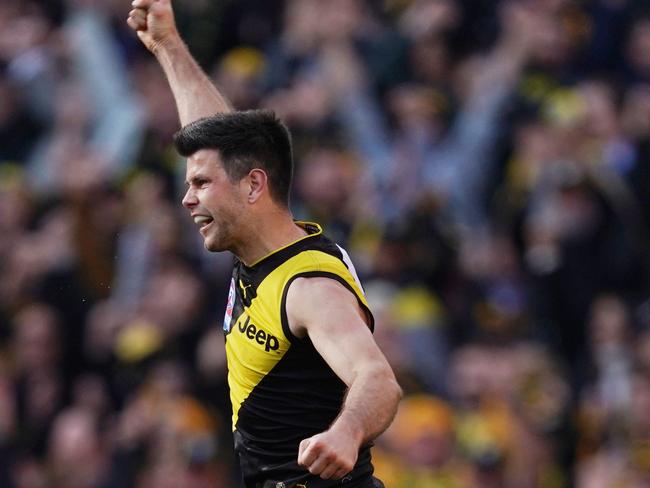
(229, 307)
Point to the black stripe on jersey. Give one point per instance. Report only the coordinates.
(254, 275)
(318, 274)
(309, 395)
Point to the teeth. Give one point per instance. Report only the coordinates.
(202, 219)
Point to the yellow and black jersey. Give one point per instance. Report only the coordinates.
(282, 391)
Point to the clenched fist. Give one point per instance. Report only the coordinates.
(331, 454)
(153, 20)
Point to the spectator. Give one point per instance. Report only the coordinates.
(486, 163)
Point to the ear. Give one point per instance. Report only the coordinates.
(257, 184)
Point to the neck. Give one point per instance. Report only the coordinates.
(270, 232)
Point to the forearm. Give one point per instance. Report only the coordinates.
(370, 405)
(117, 128)
(195, 94)
(361, 118)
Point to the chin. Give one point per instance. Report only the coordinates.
(214, 246)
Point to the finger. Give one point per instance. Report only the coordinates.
(305, 456)
(145, 4)
(340, 473)
(135, 24)
(138, 14)
(329, 471)
(321, 462)
(137, 21)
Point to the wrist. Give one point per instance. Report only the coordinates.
(167, 45)
(346, 426)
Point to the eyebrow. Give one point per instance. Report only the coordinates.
(194, 179)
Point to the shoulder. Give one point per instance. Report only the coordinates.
(317, 289)
(323, 302)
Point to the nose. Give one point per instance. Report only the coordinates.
(189, 200)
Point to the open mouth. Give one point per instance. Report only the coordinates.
(203, 221)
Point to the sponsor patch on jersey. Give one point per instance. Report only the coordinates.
(227, 318)
(257, 334)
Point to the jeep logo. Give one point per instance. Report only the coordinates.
(270, 342)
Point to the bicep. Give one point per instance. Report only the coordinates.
(336, 324)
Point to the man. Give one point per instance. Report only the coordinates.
(309, 387)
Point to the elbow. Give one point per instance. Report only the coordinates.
(388, 381)
(392, 387)
(400, 392)
(394, 394)
(397, 390)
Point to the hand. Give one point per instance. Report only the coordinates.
(342, 69)
(338, 21)
(522, 24)
(330, 454)
(153, 20)
(429, 18)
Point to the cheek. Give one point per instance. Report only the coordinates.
(211, 200)
(224, 212)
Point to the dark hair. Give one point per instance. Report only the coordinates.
(245, 140)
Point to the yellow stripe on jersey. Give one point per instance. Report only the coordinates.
(257, 341)
(317, 231)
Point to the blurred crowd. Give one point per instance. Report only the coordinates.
(486, 163)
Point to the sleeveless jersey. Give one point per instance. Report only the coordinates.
(281, 389)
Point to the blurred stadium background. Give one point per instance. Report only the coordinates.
(486, 163)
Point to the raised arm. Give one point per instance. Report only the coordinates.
(359, 113)
(341, 336)
(195, 95)
(468, 150)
